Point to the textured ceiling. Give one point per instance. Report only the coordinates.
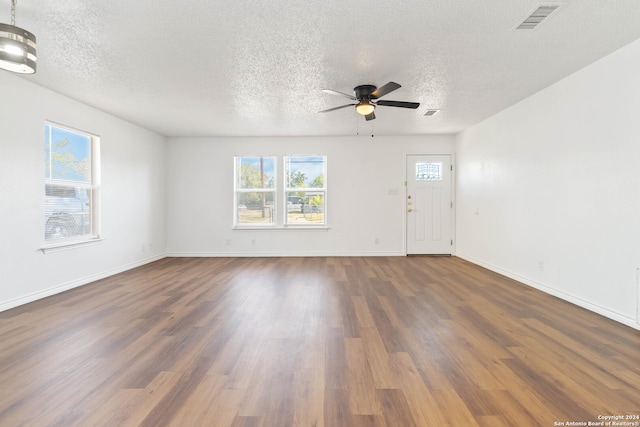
(229, 67)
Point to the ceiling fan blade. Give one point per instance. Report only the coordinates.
(401, 104)
(370, 116)
(336, 108)
(333, 92)
(382, 91)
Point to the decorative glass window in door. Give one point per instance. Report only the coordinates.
(429, 171)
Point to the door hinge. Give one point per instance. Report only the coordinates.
(451, 167)
(451, 242)
(451, 205)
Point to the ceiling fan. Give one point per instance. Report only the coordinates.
(366, 97)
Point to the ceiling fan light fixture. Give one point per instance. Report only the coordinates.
(365, 108)
(17, 47)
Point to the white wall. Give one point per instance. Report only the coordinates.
(547, 192)
(555, 179)
(361, 173)
(132, 194)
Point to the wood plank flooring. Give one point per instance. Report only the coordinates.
(416, 341)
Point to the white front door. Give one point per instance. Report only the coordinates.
(428, 205)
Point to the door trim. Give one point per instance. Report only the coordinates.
(638, 296)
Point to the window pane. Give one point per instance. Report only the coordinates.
(68, 155)
(67, 212)
(305, 171)
(255, 208)
(306, 207)
(429, 171)
(255, 172)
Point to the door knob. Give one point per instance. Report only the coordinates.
(410, 210)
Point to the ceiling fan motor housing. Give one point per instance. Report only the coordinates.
(364, 91)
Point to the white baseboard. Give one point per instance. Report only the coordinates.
(278, 254)
(6, 305)
(555, 292)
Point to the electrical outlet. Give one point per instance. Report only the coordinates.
(376, 241)
(541, 265)
(227, 242)
(253, 242)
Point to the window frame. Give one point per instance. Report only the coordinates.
(92, 187)
(288, 190)
(237, 191)
(280, 192)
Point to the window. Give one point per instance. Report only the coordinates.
(260, 199)
(255, 186)
(71, 185)
(305, 189)
(429, 171)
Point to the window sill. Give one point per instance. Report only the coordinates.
(65, 246)
(283, 227)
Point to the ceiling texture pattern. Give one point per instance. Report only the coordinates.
(257, 68)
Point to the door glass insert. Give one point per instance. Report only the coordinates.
(429, 171)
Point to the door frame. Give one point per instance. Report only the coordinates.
(453, 199)
(638, 296)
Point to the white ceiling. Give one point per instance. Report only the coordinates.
(232, 67)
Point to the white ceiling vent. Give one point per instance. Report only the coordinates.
(539, 14)
(430, 113)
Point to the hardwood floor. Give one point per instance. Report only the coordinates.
(415, 341)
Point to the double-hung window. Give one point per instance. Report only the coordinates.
(305, 189)
(298, 200)
(255, 187)
(71, 185)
